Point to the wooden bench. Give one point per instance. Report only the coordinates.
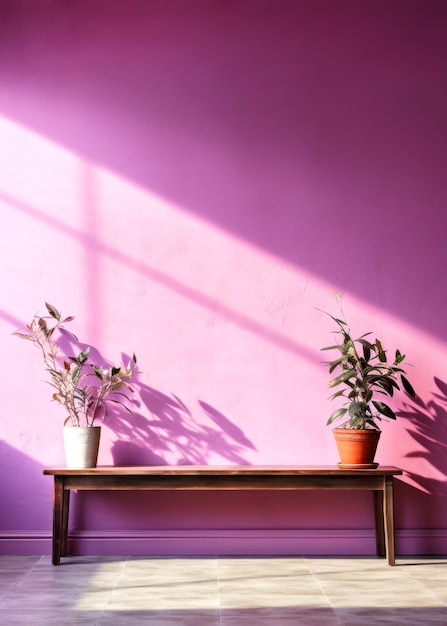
(247, 477)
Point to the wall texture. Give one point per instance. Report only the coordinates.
(191, 180)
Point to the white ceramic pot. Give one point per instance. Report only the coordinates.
(81, 445)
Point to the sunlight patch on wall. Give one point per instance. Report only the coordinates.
(226, 333)
(64, 208)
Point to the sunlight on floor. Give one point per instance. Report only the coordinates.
(222, 591)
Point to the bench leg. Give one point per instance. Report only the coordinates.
(388, 516)
(384, 520)
(65, 515)
(58, 515)
(379, 523)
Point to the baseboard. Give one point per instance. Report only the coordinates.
(226, 542)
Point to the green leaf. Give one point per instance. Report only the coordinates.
(75, 372)
(381, 352)
(399, 357)
(366, 350)
(345, 376)
(365, 335)
(358, 422)
(384, 409)
(336, 347)
(97, 371)
(356, 409)
(368, 394)
(363, 365)
(384, 382)
(339, 393)
(333, 364)
(372, 423)
(53, 311)
(408, 387)
(336, 415)
(83, 356)
(336, 319)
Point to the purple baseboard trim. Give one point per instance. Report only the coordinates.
(226, 542)
(25, 542)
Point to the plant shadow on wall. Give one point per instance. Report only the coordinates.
(172, 434)
(428, 426)
(161, 429)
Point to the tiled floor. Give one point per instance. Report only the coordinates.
(222, 591)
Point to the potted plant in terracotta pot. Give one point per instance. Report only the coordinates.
(363, 375)
(81, 387)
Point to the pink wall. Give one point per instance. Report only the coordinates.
(191, 180)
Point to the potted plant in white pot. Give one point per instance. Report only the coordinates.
(364, 375)
(82, 388)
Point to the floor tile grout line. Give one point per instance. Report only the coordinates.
(118, 578)
(323, 592)
(219, 604)
(424, 586)
(24, 575)
(400, 573)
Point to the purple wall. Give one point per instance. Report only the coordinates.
(191, 180)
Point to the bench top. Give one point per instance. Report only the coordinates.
(222, 470)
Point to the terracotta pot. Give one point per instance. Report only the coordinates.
(357, 448)
(81, 445)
